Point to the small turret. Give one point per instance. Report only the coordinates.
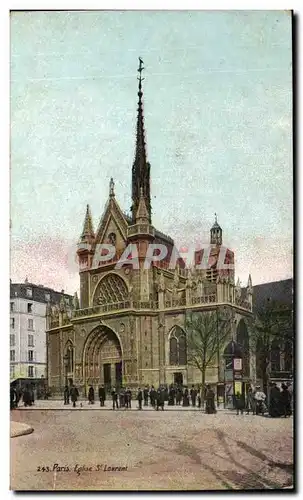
(216, 233)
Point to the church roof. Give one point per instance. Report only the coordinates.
(280, 292)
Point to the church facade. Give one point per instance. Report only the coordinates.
(128, 325)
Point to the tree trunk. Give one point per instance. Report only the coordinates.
(203, 388)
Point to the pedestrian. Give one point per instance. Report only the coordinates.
(139, 398)
(152, 396)
(171, 396)
(199, 399)
(128, 393)
(66, 395)
(115, 398)
(285, 399)
(160, 398)
(274, 403)
(239, 403)
(260, 399)
(193, 395)
(91, 395)
(250, 401)
(210, 400)
(179, 395)
(123, 398)
(185, 401)
(145, 394)
(27, 396)
(74, 394)
(101, 394)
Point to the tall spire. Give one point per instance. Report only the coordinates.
(141, 168)
(88, 231)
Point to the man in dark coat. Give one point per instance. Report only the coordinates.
(171, 396)
(210, 400)
(128, 396)
(160, 398)
(66, 395)
(102, 395)
(139, 398)
(285, 400)
(27, 396)
(239, 403)
(74, 394)
(115, 398)
(152, 396)
(185, 401)
(274, 407)
(145, 394)
(91, 395)
(193, 395)
(179, 395)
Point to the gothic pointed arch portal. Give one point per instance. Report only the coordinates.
(102, 358)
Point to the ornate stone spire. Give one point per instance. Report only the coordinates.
(88, 231)
(142, 215)
(141, 168)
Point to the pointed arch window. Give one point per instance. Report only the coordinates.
(177, 347)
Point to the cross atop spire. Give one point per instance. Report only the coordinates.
(111, 187)
(141, 168)
(216, 220)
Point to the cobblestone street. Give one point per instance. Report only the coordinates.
(170, 450)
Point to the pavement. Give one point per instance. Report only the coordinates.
(18, 429)
(149, 450)
(83, 404)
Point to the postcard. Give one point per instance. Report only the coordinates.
(151, 286)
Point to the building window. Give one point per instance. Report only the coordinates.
(30, 323)
(30, 371)
(30, 342)
(30, 355)
(12, 371)
(12, 320)
(177, 347)
(29, 292)
(12, 306)
(29, 308)
(47, 297)
(12, 340)
(12, 355)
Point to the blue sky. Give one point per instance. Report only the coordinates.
(218, 116)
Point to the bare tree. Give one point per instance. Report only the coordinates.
(207, 334)
(272, 328)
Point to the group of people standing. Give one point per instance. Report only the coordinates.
(27, 394)
(279, 403)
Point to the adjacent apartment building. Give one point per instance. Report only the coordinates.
(28, 350)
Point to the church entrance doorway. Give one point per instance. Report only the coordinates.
(119, 375)
(178, 378)
(103, 359)
(107, 376)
